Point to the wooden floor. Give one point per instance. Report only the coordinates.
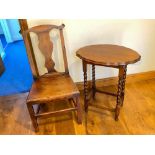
(136, 117)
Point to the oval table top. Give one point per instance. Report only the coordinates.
(108, 55)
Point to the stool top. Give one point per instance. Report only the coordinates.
(108, 55)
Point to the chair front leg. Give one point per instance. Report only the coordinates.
(79, 110)
(32, 116)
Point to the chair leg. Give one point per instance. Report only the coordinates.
(33, 118)
(79, 111)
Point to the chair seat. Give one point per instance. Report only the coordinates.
(52, 88)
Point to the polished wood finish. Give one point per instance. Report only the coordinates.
(46, 46)
(109, 56)
(93, 81)
(137, 115)
(86, 99)
(121, 88)
(53, 86)
(1, 66)
(29, 48)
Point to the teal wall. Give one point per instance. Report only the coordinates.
(2, 53)
(11, 29)
(1, 30)
(14, 29)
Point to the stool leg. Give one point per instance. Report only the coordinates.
(79, 111)
(33, 118)
(93, 81)
(121, 88)
(85, 86)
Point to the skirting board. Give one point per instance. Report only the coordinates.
(114, 80)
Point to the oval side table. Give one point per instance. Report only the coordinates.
(109, 56)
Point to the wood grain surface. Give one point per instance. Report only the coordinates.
(137, 115)
(108, 55)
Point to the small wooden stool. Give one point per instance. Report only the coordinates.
(109, 56)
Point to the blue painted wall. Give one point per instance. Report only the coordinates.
(2, 53)
(1, 30)
(10, 28)
(14, 29)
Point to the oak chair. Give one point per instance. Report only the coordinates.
(54, 85)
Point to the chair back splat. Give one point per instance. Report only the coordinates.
(46, 45)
